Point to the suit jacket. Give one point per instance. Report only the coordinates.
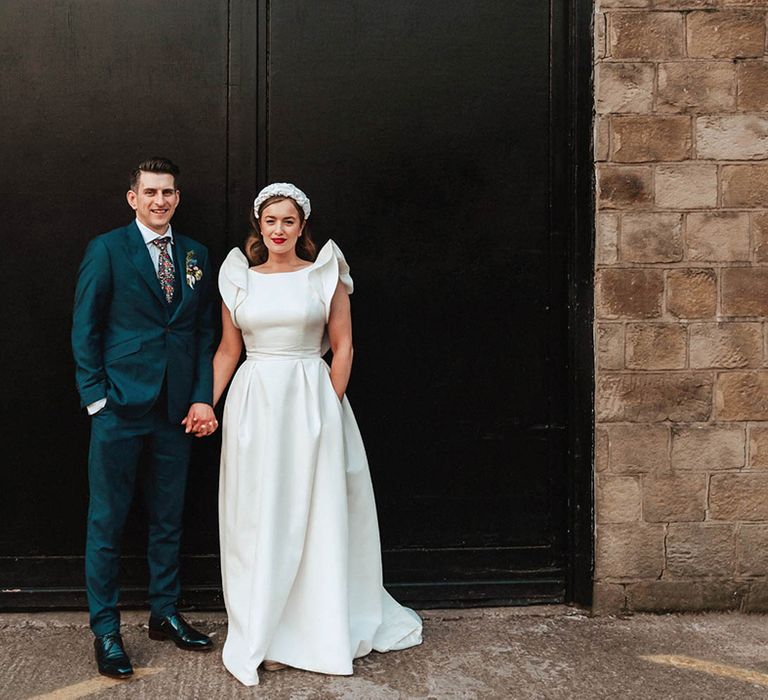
(126, 339)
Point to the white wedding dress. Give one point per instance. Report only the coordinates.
(300, 551)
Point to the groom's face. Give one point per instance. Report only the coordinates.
(154, 200)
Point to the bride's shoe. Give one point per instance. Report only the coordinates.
(273, 665)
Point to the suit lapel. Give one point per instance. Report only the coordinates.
(180, 258)
(139, 256)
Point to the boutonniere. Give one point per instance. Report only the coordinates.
(194, 273)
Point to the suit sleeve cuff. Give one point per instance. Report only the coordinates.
(96, 406)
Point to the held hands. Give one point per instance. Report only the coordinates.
(200, 420)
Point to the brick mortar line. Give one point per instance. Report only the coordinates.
(717, 578)
(682, 264)
(741, 580)
(720, 192)
(680, 371)
(714, 209)
(734, 61)
(728, 208)
(719, 293)
(763, 160)
(686, 113)
(653, 164)
(765, 342)
(718, 10)
(662, 370)
(694, 424)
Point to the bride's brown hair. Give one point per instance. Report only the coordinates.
(255, 249)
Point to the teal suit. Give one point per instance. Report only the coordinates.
(151, 359)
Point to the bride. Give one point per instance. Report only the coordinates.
(300, 552)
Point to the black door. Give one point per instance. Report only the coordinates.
(92, 87)
(435, 141)
(422, 131)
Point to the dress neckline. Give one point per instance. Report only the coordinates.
(287, 272)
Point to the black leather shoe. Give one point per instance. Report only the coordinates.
(179, 631)
(111, 657)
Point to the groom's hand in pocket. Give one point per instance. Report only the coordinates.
(200, 420)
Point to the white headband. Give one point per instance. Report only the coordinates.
(282, 189)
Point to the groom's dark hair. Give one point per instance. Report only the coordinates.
(155, 165)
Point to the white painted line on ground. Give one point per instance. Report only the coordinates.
(711, 667)
(95, 685)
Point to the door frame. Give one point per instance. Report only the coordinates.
(577, 24)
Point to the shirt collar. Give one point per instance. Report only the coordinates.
(149, 235)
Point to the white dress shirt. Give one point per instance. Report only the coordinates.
(154, 253)
(149, 235)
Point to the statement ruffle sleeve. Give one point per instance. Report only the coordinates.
(233, 281)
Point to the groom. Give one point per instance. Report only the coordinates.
(142, 339)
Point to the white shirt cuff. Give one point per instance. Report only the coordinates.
(96, 406)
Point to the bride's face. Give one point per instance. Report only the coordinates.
(280, 226)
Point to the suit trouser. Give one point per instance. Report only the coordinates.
(113, 460)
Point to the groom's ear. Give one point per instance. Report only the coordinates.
(130, 195)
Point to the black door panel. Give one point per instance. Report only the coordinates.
(434, 142)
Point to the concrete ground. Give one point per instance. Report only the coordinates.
(536, 652)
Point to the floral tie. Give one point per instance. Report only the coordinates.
(165, 267)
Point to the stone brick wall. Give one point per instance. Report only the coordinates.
(681, 284)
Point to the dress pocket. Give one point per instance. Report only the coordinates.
(339, 402)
